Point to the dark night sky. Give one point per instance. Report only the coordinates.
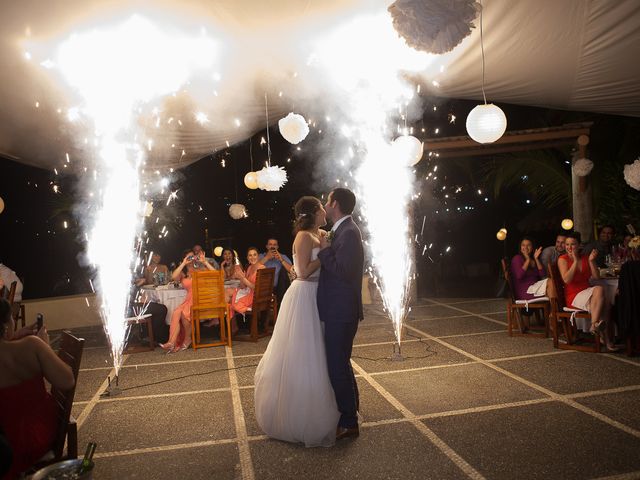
(36, 245)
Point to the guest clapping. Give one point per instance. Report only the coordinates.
(28, 413)
(552, 253)
(180, 328)
(243, 296)
(576, 271)
(526, 269)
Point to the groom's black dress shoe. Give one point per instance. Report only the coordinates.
(344, 432)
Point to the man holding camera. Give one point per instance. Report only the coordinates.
(272, 258)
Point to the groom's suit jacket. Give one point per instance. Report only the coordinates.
(340, 283)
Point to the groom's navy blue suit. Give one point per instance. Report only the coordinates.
(340, 308)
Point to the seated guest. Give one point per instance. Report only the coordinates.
(272, 258)
(155, 273)
(552, 253)
(526, 269)
(180, 328)
(576, 270)
(197, 249)
(28, 413)
(230, 265)
(604, 245)
(243, 296)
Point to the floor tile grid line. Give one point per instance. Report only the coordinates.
(475, 334)
(541, 389)
(244, 451)
(621, 359)
(469, 314)
(457, 460)
(162, 395)
(86, 411)
(165, 448)
(624, 476)
(385, 421)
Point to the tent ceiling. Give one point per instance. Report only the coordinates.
(574, 55)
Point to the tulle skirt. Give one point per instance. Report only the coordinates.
(294, 400)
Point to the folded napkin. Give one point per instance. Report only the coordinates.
(538, 289)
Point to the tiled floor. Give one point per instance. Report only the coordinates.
(467, 402)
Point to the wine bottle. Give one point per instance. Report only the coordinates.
(88, 455)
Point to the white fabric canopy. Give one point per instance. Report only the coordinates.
(569, 54)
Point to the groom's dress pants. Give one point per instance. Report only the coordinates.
(338, 344)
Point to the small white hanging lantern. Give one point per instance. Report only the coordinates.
(251, 180)
(293, 128)
(237, 211)
(486, 123)
(408, 149)
(567, 224)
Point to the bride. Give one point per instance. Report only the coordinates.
(294, 400)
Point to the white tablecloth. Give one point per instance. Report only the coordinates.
(169, 297)
(610, 286)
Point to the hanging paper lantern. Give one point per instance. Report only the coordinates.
(148, 209)
(293, 128)
(217, 251)
(251, 180)
(1, 205)
(237, 211)
(632, 174)
(567, 224)
(582, 167)
(408, 148)
(502, 234)
(271, 178)
(486, 123)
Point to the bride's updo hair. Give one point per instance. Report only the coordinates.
(305, 212)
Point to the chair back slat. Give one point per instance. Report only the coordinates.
(263, 291)
(12, 292)
(208, 290)
(70, 353)
(555, 288)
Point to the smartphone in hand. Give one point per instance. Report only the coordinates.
(40, 320)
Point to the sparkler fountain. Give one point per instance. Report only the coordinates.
(116, 70)
(364, 60)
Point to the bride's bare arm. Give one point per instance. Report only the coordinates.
(303, 245)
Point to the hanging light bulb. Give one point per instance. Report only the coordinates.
(502, 234)
(486, 123)
(567, 224)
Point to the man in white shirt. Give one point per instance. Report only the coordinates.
(552, 253)
(7, 277)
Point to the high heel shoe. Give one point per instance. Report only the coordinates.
(167, 346)
(597, 327)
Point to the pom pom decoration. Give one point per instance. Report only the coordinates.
(251, 180)
(293, 128)
(409, 149)
(237, 211)
(434, 26)
(486, 123)
(582, 167)
(1, 205)
(567, 224)
(271, 178)
(502, 234)
(631, 174)
(217, 251)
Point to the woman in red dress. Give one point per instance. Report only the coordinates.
(576, 271)
(28, 413)
(180, 328)
(243, 296)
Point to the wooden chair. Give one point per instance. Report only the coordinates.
(264, 301)
(563, 317)
(70, 353)
(209, 302)
(515, 307)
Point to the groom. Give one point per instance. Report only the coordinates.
(340, 303)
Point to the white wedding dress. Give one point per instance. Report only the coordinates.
(294, 400)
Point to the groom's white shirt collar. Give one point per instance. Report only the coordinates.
(339, 222)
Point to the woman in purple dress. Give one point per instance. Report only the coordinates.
(526, 269)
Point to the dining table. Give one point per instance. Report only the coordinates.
(168, 295)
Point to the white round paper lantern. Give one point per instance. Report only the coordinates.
(217, 251)
(1, 205)
(486, 123)
(502, 234)
(251, 180)
(567, 224)
(293, 128)
(408, 148)
(631, 174)
(582, 167)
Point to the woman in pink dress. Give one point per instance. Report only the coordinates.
(180, 328)
(243, 296)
